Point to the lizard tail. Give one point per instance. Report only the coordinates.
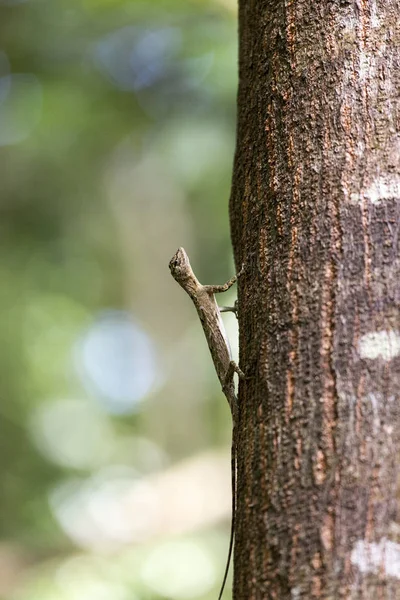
(233, 475)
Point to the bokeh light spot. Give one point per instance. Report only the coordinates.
(90, 578)
(112, 508)
(134, 59)
(72, 433)
(179, 570)
(117, 360)
(20, 107)
(153, 64)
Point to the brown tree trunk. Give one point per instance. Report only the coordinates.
(315, 220)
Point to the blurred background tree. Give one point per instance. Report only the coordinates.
(117, 124)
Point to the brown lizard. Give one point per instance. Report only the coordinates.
(209, 313)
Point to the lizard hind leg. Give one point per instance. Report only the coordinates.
(233, 309)
(234, 368)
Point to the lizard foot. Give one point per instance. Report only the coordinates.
(234, 368)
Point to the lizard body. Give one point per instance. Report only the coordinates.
(203, 297)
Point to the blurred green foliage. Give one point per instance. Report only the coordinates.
(117, 124)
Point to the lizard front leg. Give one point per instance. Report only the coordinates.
(217, 289)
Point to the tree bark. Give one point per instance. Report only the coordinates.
(315, 221)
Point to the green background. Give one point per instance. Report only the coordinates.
(117, 125)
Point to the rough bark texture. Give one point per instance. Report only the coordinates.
(315, 217)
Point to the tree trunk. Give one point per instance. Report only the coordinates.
(315, 221)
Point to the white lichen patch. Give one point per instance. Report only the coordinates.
(295, 593)
(364, 65)
(375, 21)
(371, 557)
(379, 344)
(348, 23)
(383, 188)
(375, 401)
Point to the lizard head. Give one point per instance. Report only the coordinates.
(180, 266)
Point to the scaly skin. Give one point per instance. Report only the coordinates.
(209, 313)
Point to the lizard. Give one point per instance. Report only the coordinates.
(203, 297)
